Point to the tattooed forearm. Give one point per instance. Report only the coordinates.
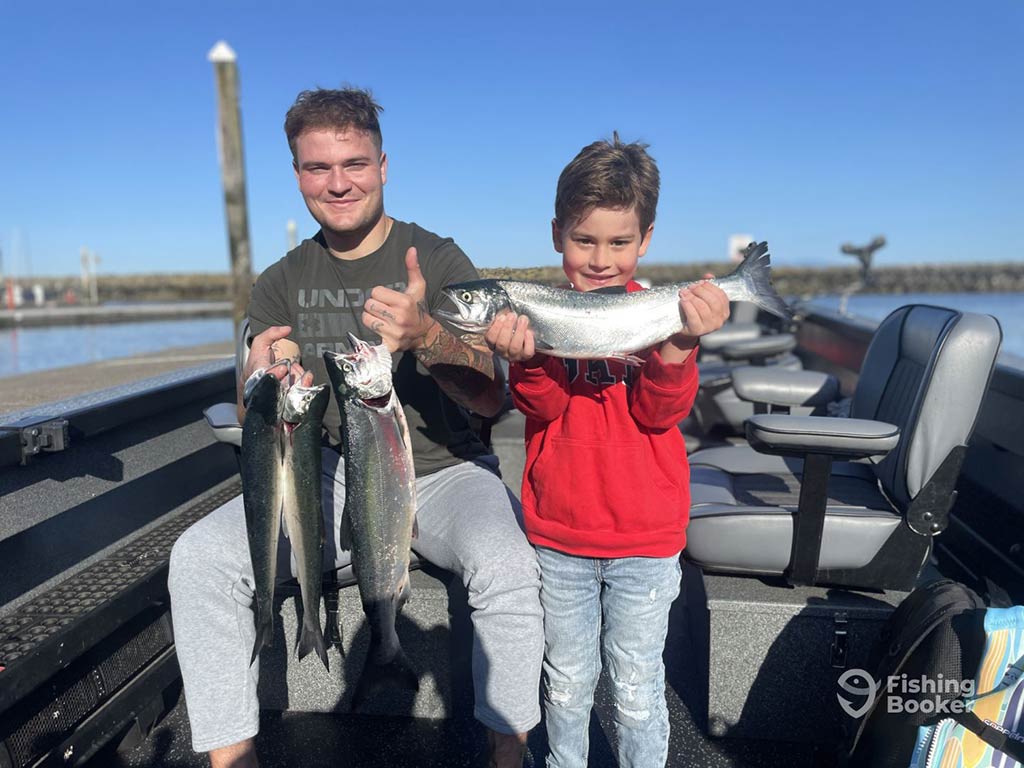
(467, 375)
(445, 348)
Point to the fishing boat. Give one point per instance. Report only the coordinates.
(94, 491)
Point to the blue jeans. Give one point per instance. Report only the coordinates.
(629, 598)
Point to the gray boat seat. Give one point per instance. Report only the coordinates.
(743, 312)
(726, 344)
(223, 420)
(223, 417)
(740, 342)
(852, 501)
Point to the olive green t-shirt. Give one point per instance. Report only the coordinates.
(321, 298)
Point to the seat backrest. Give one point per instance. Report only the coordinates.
(926, 370)
(742, 312)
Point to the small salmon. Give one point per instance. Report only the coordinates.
(593, 325)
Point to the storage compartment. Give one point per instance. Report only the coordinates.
(775, 654)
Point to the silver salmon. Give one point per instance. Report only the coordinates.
(380, 503)
(302, 416)
(280, 472)
(596, 325)
(261, 496)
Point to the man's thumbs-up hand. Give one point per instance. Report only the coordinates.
(401, 319)
(416, 287)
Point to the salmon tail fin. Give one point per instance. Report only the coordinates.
(264, 633)
(312, 638)
(396, 673)
(756, 273)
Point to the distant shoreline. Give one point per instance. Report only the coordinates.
(794, 281)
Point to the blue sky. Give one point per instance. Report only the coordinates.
(804, 123)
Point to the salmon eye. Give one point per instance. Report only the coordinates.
(347, 367)
(467, 297)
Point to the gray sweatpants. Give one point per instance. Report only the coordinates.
(468, 524)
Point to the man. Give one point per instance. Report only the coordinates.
(376, 277)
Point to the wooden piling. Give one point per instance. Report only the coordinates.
(232, 168)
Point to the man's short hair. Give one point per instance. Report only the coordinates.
(608, 174)
(344, 109)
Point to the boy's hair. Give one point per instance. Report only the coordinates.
(608, 175)
(348, 108)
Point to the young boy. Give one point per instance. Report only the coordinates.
(606, 487)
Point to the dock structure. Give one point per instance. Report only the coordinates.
(35, 317)
(35, 388)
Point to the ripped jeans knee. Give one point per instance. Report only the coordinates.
(637, 702)
(569, 695)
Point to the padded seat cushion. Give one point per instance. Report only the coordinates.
(742, 459)
(717, 372)
(223, 420)
(744, 522)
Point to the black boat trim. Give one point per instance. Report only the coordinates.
(54, 629)
(111, 408)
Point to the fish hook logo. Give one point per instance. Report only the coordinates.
(848, 681)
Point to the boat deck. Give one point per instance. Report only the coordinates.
(140, 463)
(350, 739)
(133, 571)
(344, 740)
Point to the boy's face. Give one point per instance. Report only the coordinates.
(601, 247)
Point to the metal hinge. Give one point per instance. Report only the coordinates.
(840, 642)
(49, 436)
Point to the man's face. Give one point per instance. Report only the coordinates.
(601, 248)
(341, 176)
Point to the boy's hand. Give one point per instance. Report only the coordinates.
(704, 308)
(510, 336)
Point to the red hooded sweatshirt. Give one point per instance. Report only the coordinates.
(606, 471)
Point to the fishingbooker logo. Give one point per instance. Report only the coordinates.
(926, 695)
(859, 683)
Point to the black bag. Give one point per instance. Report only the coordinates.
(937, 633)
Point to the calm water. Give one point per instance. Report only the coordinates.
(1007, 308)
(35, 349)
